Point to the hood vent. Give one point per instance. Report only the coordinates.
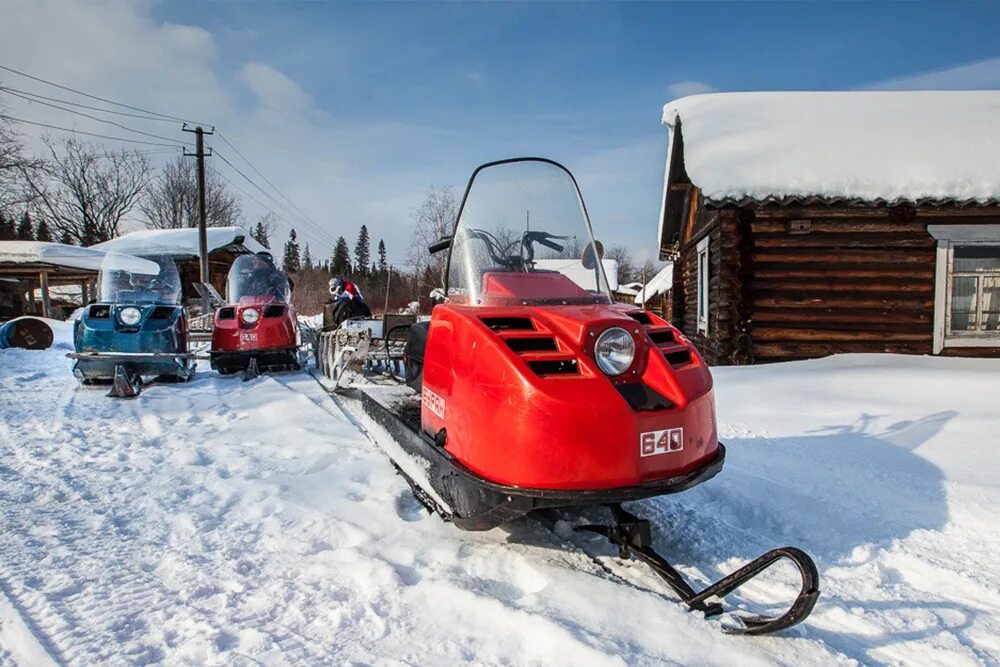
(99, 312)
(640, 316)
(274, 311)
(162, 313)
(662, 336)
(227, 313)
(509, 323)
(534, 344)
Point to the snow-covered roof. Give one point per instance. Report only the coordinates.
(575, 271)
(52, 254)
(660, 284)
(180, 242)
(870, 146)
(629, 289)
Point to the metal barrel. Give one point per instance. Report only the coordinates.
(30, 333)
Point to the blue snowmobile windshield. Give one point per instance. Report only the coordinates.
(256, 278)
(523, 235)
(131, 279)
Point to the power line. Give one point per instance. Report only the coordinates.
(308, 225)
(89, 134)
(99, 120)
(98, 98)
(249, 196)
(273, 186)
(86, 106)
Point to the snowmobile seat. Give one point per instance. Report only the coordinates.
(413, 354)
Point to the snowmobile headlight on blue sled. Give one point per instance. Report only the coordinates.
(130, 316)
(614, 351)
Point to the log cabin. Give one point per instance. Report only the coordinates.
(814, 223)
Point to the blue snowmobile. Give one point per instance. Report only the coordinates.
(136, 332)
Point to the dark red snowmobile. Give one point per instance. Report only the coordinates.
(536, 391)
(258, 329)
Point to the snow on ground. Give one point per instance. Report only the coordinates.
(252, 523)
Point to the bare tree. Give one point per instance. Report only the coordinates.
(434, 219)
(627, 270)
(14, 163)
(171, 202)
(85, 193)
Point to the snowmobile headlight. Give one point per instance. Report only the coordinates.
(250, 315)
(614, 351)
(130, 316)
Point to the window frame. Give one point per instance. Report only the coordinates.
(948, 238)
(702, 270)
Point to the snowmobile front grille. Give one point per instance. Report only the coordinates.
(509, 323)
(100, 312)
(554, 367)
(535, 344)
(274, 311)
(228, 313)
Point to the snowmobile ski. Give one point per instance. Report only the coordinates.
(633, 538)
(252, 371)
(126, 384)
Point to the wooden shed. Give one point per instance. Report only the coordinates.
(807, 224)
(27, 267)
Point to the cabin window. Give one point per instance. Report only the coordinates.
(702, 278)
(967, 295)
(975, 291)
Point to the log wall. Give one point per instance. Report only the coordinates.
(857, 280)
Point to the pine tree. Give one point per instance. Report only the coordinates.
(292, 263)
(340, 264)
(7, 231)
(362, 251)
(259, 235)
(66, 239)
(383, 265)
(25, 229)
(42, 231)
(307, 262)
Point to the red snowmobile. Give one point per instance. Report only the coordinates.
(537, 392)
(259, 329)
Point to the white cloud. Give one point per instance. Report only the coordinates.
(273, 89)
(983, 74)
(684, 88)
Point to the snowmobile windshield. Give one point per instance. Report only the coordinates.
(131, 279)
(523, 237)
(256, 278)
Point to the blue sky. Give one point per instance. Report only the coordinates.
(354, 109)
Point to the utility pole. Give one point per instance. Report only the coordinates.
(200, 153)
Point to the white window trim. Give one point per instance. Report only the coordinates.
(949, 236)
(702, 281)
